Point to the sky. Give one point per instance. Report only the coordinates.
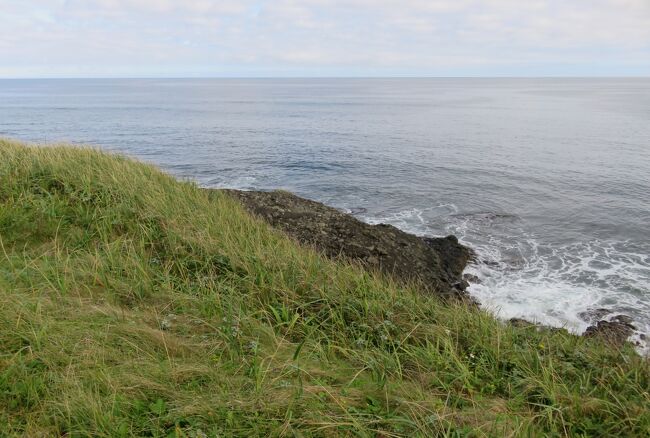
(289, 38)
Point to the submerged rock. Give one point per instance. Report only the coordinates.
(436, 263)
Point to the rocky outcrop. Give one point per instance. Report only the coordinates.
(616, 331)
(436, 263)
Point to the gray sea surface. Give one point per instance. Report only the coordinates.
(548, 179)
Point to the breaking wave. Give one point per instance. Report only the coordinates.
(571, 286)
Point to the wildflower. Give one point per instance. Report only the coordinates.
(165, 324)
(236, 331)
(284, 384)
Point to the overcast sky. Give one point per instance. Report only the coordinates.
(168, 38)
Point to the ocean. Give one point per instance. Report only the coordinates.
(547, 179)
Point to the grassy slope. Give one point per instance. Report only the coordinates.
(266, 338)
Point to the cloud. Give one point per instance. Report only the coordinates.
(246, 37)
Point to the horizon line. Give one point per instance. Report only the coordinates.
(331, 77)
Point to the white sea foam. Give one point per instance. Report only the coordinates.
(520, 277)
(239, 183)
(413, 220)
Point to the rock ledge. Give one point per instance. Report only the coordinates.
(436, 263)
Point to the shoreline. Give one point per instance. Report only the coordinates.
(438, 263)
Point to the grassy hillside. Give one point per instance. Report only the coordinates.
(132, 304)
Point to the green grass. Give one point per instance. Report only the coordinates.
(132, 304)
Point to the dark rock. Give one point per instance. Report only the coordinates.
(471, 278)
(521, 323)
(594, 315)
(624, 319)
(453, 255)
(616, 331)
(461, 285)
(436, 263)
